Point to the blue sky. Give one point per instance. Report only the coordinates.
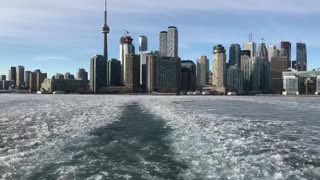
(61, 36)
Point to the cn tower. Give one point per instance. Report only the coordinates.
(105, 30)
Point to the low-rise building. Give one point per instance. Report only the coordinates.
(301, 82)
(66, 85)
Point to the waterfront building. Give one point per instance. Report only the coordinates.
(27, 79)
(12, 76)
(301, 82)
(126, 47)
(163, 74)
(235, 79)
(20, 77)
(3, 78)
(202, 71)
(301, 62)
(66, 85)
(234, 55)
(278, 65)
(219, 69)
(172, 42)
(98, 73)
(36, 78)
(82, 74)
(143, 67)
(287, 46)
(132, 76)
(143, 43)
(7, 84)
(163, 43)
(188, 76)
(114, 72)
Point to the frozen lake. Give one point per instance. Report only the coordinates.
(159, 137)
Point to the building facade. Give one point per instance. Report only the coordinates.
(66, 85)
(278, 65)
(301, 82)
(272, 52)
(36, 79)
(82, 74)
(132, 72)
(301, 62)
(143, 43)
(219, 69)
(163, 74)
(287, 46)
(20, 77)
(235, 79)
(3, 78)
(27, 79)
(12, 75)
(98, 73)
(202, 72)
(235, 55)
(188, 76)
(126, 47)
(250, 46)
(163, 43)
(114, 73)
(172, 42)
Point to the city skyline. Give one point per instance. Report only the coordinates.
(50, 40)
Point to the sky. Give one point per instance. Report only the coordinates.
(61, 36)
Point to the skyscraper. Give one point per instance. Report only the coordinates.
(163, 43)
(219, 69)
(27, 79)
(301, 64)
(68, 76)
(264, 67)
(172, 42)
(126, 47)
(163, 73)
(278, 65)
(98, 73)
(143, 43)
(36, 79)
(12, 76)
(114, 72)
(188, 76)
(235, 55)
(132, 76)
(20, 77)
(272, 52)
(250, 46)
(82, 74)
(202, 71)
(105, 30)
(287, 46)
(3, 78)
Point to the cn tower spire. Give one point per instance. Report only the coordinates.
(105, 30)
